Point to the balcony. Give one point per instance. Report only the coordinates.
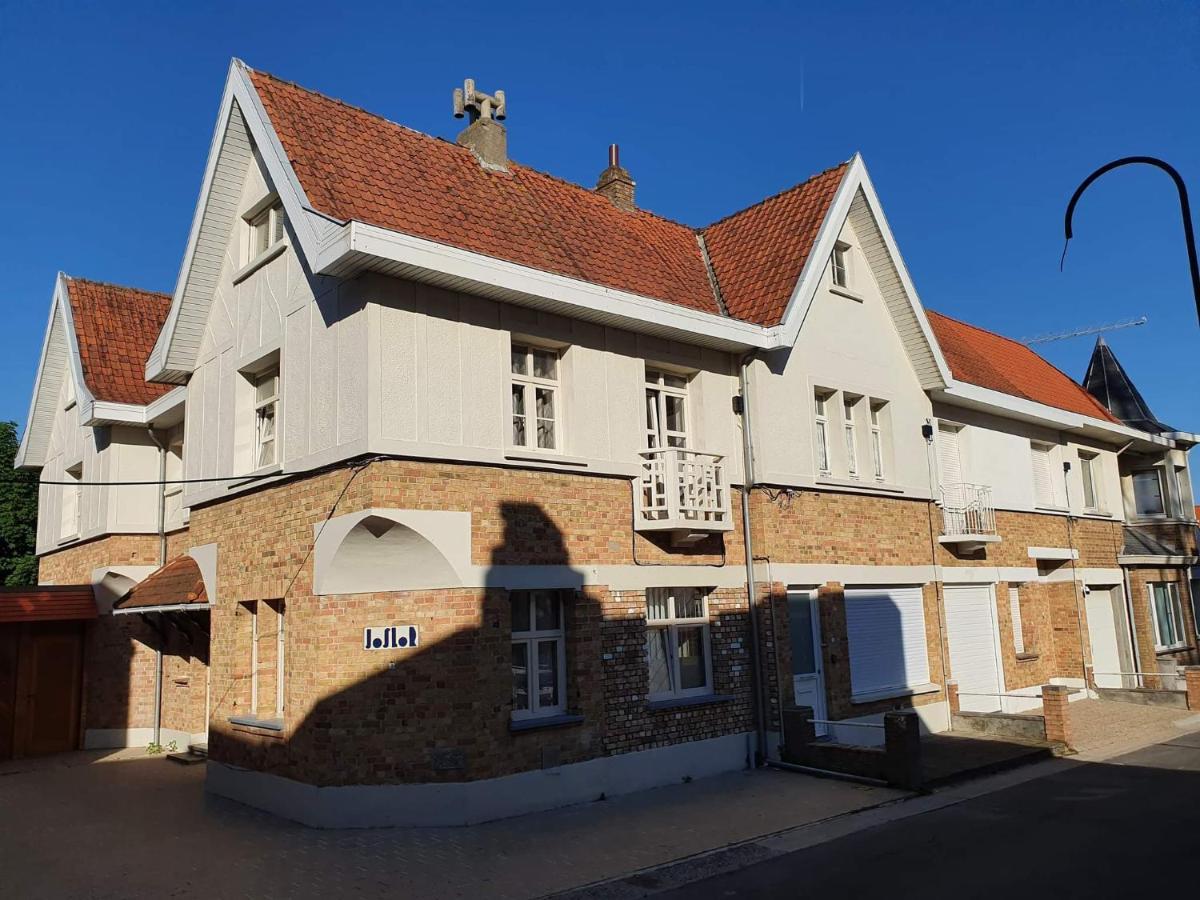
(683, 492)
(968, 517)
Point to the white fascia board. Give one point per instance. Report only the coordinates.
(106, 412)
(959, 393)
(796, 312)
(570, 295)
(59, 306)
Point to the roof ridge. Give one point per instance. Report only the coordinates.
(778, 194)
(528, 168)
(113, 284)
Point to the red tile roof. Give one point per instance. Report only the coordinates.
(47, 603)
(177, 583)
(355, 165)
(988, 360)
(757, 254)
(116, 328)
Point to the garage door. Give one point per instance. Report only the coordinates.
(974, 646)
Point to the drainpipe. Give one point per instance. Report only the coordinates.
(747, 488)
(162, 561)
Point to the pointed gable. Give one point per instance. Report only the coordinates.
(353, 165)
(987, 360)
(1107, 381)
(116, 328)
(758, 254)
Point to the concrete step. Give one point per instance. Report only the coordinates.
(187, 758)
(200, 748)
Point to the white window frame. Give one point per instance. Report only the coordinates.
(1175, 607)
(839, 265)
(71, 500)
(658, 390)
(261, 407)
(849, 426)
(266, 225)
(876, 408)
(821, 456)
(1089, 463)
(1164, 499)
(529, 385)
(530, 639)
(672, 625)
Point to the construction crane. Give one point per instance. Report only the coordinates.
(1081, 332)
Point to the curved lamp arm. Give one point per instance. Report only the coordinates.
(1184, 208)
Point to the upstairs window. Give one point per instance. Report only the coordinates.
(877, 437)
(72, 502)
(1043, 480)
(1089, 468)
(1014, 605)
(839, 265)
(538, 654)
(677, 642)
(1148, 494)
(666, 410)
(535, 390)
(849, 404)
(266, 229)
(266, 403)
(821, 428)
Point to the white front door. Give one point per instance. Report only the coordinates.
(808, 683)
(974, 646)
(1104, 636)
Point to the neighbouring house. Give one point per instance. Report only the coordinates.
(1160, 550)
(475, 460)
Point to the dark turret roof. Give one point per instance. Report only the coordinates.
(1107, 382)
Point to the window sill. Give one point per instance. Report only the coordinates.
(1177, 648)
(894, 693)
(684, 702)
(860, 484)
(1049, 507)
(539, 723)
(551, 458)
(1027, 657)
(251, 722)
(259, 261)
(846, 292)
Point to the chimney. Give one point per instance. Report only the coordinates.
(485, 136)
(615, 183)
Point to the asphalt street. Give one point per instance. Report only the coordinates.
(1116, 829)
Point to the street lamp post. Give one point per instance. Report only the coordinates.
(1184, 207)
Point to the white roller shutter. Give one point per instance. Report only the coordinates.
(885, 627)
(949, 456)
(971, 630)
(1043, 484)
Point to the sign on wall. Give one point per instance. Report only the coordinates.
(389, 637)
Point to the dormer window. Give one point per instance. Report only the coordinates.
(266, 227)
(839, 265)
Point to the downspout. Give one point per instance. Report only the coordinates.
(747, 489)
(162, 561)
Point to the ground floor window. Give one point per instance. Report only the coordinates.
(1020, 644)
(677, 642)
(1167, 613)
(889, 650)
(538, 654)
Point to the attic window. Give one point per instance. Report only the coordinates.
(839, 265)
(266, 227)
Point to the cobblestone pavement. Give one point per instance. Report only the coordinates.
(138, 827)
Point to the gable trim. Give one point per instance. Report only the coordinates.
(857, 179)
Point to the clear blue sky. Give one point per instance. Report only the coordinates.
(976, 121)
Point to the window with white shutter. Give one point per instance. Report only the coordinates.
(1014, 604)
(1043, 483)
(885, 627)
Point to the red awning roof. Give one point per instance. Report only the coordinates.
(178, 583)
(47, 603)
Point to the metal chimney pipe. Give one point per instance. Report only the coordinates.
(614, 156)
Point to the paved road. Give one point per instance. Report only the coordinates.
(1095, 830)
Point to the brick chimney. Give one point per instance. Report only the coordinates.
(485, 136)
(615, 183)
